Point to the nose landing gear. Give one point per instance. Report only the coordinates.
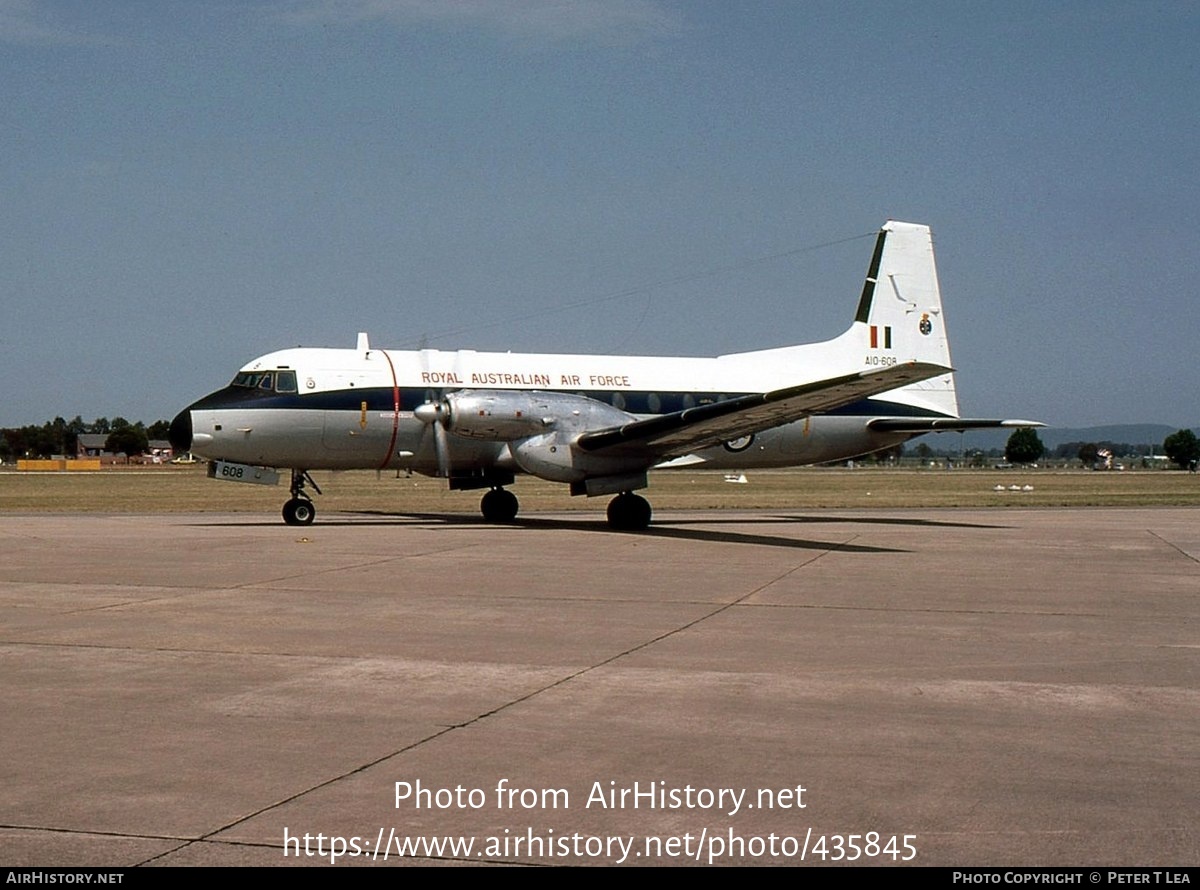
(300, 509)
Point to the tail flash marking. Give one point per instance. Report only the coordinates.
(868, 291)
(887, 336)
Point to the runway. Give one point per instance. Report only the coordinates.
(929, 687)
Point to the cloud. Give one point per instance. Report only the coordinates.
(557, 21)
(24, 21)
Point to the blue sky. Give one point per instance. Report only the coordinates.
(187, 185)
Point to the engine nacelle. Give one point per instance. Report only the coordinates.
(540, 427)
(508, 415)
(498, 416)
(553, 456)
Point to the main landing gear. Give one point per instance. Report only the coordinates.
(628, 512)
(499, 505)
(300, 509)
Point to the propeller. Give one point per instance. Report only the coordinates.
(435, 415)
(435, 411)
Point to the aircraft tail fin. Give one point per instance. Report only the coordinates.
(900, 317)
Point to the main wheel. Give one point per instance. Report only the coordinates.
(299, 511)
(499, 505)
(628, 512)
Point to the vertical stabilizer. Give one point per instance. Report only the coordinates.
(900, 316)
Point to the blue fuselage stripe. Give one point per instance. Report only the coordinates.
(383, 399)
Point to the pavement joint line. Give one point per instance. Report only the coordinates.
(1173, 546)
(344, 568)
(194, 590)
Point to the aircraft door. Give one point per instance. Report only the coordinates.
(360, 431)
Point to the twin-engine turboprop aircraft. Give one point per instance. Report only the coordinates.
(594, 422)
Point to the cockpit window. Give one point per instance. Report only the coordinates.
(269, 381)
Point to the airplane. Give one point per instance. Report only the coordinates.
(597, 423)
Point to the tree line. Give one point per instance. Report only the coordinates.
(59, 436)
(1025, 446)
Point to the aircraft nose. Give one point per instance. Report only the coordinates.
(180, 433)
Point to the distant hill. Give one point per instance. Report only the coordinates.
(1130, 433)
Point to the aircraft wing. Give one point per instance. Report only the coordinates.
(943, 424)
(670, 435)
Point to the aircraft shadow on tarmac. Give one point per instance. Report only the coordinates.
(662, 528)
(888, 520)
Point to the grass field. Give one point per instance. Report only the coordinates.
(188, 490)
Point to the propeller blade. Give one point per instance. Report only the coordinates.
(441, 448)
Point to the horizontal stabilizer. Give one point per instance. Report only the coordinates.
(676, 463)
(943, 424)
(684, 431)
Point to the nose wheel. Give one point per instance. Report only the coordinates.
(300, 510)
(499, 505)
(628, 512)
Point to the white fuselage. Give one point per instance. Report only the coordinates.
(354, 408)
